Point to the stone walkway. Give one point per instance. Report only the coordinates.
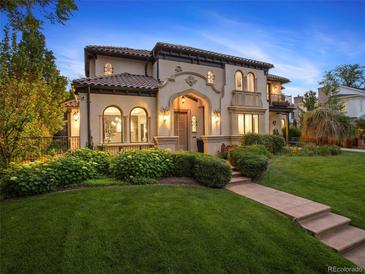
(353, 150)
(331, 229)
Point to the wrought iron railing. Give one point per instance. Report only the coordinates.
(280, 100)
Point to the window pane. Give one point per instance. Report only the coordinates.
(241, 129)
(250, 82)
(255, 119)
(138, 126)
(238, 78)
(248, 123)
(112, 125)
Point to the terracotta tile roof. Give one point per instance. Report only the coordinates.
(281, 79)
(118, 51)
(123, 80)
(226, 57)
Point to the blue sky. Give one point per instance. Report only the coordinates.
(301, 38)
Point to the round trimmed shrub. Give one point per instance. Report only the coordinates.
(154, 163)
(212, 172)
(235, 154)
(273, 143)
(251, 165)
(101, 158)
(184, 163)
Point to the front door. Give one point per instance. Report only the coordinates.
(181, 129)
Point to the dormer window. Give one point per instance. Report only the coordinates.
(210, 77)
(108, 69)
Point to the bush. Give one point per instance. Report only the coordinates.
(184, 163)
(294, 132)
(235, 154)
(334, 150)
(310, 149)
(251, 165)
(154, 163)
(101, 158)
(212, 172)
(35, 178)
(273, 143)
(252, 139)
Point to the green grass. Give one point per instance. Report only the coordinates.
(155, 228)
(338, 181)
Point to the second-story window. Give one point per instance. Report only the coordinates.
(108, 69)
(210, 77)
(250, 82)
(238, 78)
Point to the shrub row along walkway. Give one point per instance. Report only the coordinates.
(333, 230)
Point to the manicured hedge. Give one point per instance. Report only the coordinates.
(34, 178)
(153, 163)
(273, 143)
(184, 163)
(212, 172)
(251, 161)
(101, 158)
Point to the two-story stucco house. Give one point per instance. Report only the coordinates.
(174, 95)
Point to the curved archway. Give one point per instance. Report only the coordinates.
(112, 125)
(138, 125)
(190, 115)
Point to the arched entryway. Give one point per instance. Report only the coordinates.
(190, 119)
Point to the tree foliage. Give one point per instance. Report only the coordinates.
(31, 92)
(310, 100)
(326, 126)
(22, 14)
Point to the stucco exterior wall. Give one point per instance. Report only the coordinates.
(121, 65)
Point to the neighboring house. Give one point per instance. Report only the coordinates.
(353, 100)
(174, 95)
(299, 107)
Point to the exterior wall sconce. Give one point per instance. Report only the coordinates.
(165, 112)
(183, 100)
(216, 116)
(76, 116)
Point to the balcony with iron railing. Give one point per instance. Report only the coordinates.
(280, 100)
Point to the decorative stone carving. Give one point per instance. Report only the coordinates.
(178, 69)
(190, 80)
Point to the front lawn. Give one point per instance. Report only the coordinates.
(155, 228)
(337, 181)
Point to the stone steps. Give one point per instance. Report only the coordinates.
(322, 223)
(356, 255)
(344, 238)
(236, 173)
(331, 229)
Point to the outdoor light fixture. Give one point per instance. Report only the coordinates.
(164, 111)
(216, 116)
(76, 116)
(183, 100)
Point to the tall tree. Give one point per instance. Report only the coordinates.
(31, 92)
(310, 100)
(31, 87)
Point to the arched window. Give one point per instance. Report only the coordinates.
(238, 77)
(112, 125)
(108, 69)
(138, 125)
(210, 77)
(250, 82)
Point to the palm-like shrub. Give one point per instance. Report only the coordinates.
(326, 126)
